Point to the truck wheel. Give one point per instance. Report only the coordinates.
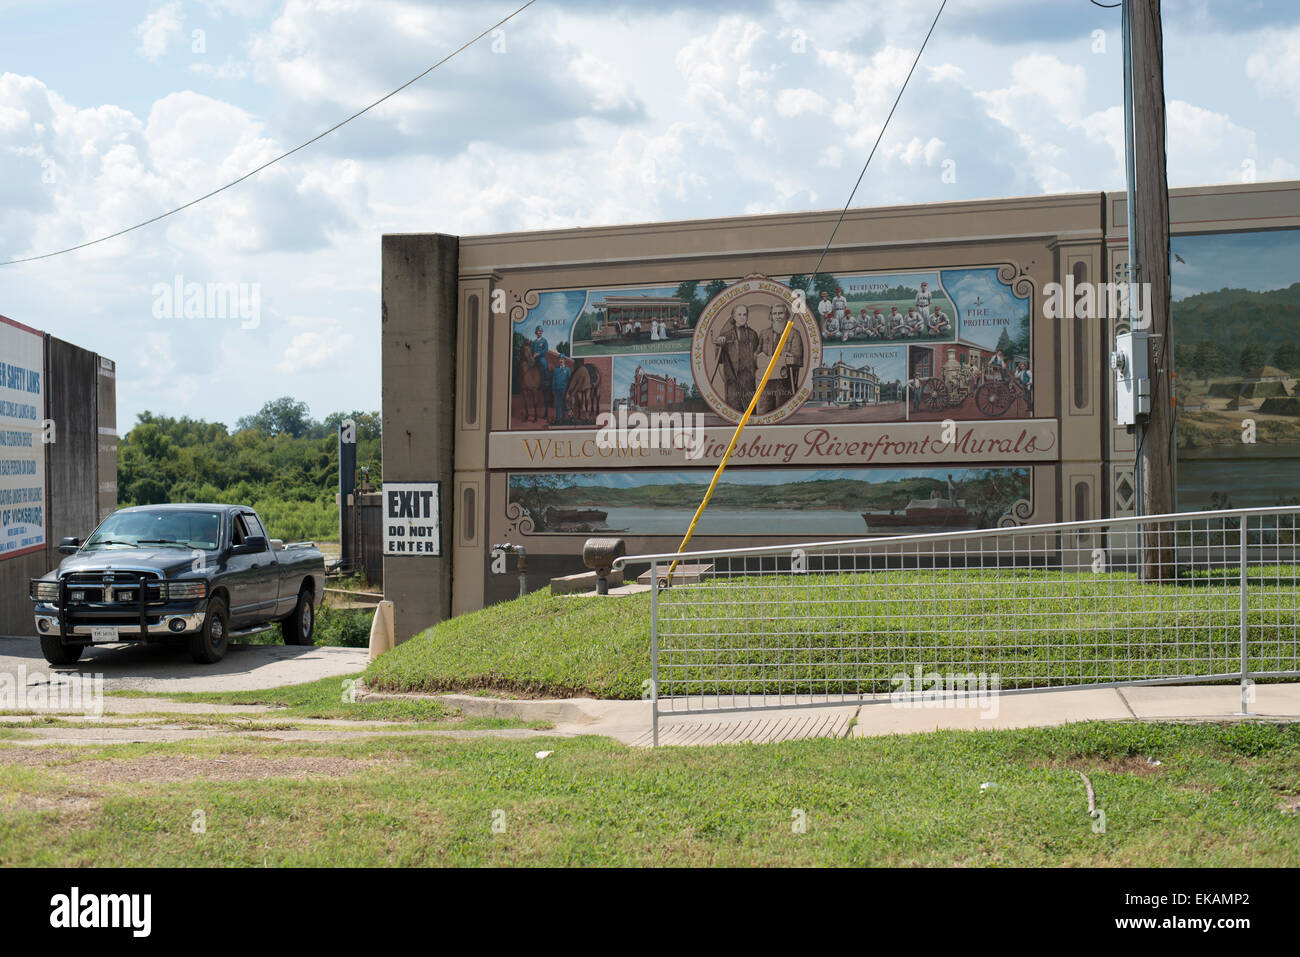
(57, 653)
(209, 645)
(299, 626)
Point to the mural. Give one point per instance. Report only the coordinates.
(734, 342)
(1236, 323)
(870, 347)
(762, 501)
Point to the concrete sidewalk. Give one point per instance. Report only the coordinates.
(168, 667)
(629, 721)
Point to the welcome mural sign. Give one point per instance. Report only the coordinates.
(927, 369)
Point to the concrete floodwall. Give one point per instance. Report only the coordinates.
(77, 460)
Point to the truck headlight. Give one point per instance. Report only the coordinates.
(174, 591)
(45, 591)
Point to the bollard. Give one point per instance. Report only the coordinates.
(381, 630)
(599, 554)
(521, 566)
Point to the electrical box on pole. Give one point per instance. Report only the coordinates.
(1132, 378)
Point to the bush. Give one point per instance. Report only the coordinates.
(347, 628)
(294, 521)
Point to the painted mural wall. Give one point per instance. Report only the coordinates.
(874, 362)
(1236, 318)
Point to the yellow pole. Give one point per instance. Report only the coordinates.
(740, 427)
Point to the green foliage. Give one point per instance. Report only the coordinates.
(343, 627)
(283, 415)
(1231, 331)
(291, 479)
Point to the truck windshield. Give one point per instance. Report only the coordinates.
(178, 528)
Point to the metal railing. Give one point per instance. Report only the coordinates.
(1191, 596)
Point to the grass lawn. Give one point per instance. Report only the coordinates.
(1219, 796)
(831, 633)
(324, 698)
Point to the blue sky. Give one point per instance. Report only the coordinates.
(581, 113)
(1258, 261)
(673, 364)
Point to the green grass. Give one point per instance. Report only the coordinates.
(540, 645)
(1214, 800)
(855, 633)
(324, 698)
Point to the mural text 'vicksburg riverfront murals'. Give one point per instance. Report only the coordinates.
(922, 346)
(1236, 324)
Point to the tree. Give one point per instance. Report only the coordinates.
(712, 289)
(1287, 357)
(369, 424)
(285, 415)
(1207, 359)
(824, 282)
(1252, 357)
(535, 493)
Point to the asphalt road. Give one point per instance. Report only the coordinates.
(168, 667)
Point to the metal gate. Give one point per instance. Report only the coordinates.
(1158, 599)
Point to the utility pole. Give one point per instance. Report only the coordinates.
(1149, 266)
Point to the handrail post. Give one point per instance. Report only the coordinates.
(1245, 705)
(654, 654)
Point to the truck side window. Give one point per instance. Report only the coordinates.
(239, 531)
(253, 525)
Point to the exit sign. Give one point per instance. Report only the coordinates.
(412, 518)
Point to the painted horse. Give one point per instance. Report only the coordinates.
(582, 397)
(536, 394)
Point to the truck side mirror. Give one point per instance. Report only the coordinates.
(69, 545)
(250, 546)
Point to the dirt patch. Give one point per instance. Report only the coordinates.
(1290, 804)
(33, 757)
(1133, 764)
(1200, 788)
(233, 768)
(64, 804)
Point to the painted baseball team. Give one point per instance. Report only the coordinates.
(923, 319)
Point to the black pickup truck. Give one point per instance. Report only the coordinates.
(202, 573)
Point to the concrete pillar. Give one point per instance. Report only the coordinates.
(418, 330)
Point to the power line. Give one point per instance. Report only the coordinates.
(879, 137)
(272, 162)
(789, 325)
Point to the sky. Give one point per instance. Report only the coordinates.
(1258, 261)
(576, 114)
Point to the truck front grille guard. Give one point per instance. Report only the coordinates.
(141, 585)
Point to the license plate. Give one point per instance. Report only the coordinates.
(103, 633)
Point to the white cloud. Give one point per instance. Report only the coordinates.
(229, 69)
(1275, 67)
(590, 116)
(313, 348)
(158, 29)
(791, 103)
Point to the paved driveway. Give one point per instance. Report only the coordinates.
(168, 667)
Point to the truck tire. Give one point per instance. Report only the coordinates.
(57, 653)
(209, 644)
(299, 627)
